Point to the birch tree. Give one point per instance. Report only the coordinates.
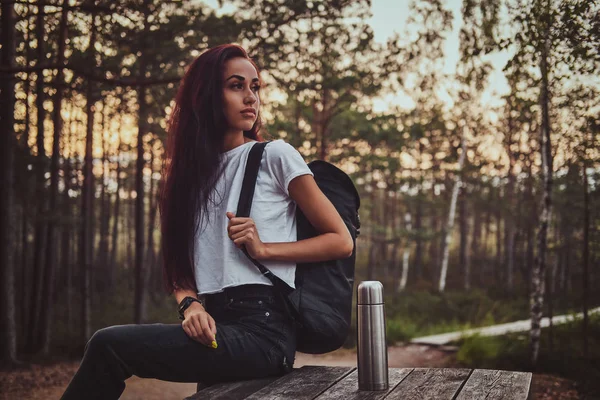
(452, 212)
(406, 252)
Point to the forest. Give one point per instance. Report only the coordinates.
(479, 199)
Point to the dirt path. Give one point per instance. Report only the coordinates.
(39, 382)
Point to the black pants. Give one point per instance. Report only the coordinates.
(255, 339)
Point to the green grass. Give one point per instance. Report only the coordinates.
(564, 357)
(413, 314)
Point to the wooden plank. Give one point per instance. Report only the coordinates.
(430, 383)
(496, 385)
(347, 388)
(232, 390)
(304, 383)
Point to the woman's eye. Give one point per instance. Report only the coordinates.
(255, 88)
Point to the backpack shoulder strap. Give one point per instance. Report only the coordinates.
(245, 205)
(249, 182)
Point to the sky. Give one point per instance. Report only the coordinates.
(389, 17)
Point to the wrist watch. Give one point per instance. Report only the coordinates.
(185, 303)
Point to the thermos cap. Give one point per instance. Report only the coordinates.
(370, 292)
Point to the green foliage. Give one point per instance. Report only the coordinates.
(480, 351)
(565, 357)
(433, 312)
(399, 330)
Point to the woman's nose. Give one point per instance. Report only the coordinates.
(250, 98)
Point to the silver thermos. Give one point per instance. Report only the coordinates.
(372, 348)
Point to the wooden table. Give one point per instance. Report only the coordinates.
(341, 383)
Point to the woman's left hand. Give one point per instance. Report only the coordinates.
(243, 233)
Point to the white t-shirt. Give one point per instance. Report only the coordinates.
(218, 263)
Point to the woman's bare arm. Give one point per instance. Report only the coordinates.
(334, 241)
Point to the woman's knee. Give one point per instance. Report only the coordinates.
(105, 338)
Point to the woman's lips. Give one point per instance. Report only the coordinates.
(248, 114)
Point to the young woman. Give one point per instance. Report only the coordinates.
(233, 325)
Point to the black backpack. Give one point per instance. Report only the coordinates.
(321, 304)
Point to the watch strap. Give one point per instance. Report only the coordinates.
(184, 305)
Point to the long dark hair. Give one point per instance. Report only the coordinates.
(196, 136)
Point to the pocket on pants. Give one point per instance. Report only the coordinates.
(254, 308)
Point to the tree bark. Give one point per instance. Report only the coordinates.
(87, 198)
(102, 256)
(418, 261)
(8, 333)
(406, 252)
(451, 214)
(509, 224)
(48, 287)
(151, 224)
(498, 265)
(463, 218)
(115, 227)
(474, 258)
(40, 223)
(586, 258)
(372, 239)
(66, 244)
(530, 229)
(140, 306)
(323, 122)
(539, 272)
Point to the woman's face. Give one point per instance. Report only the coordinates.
(240, 94)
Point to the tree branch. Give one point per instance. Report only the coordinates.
(92, 77)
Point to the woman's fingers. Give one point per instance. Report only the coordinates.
(247, 238)
(212, 325)
(201, 328)
(250, 230)
(237, 229)
(189, 329)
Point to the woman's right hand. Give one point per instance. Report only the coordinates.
(199, 325)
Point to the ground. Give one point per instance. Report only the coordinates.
(39, 381)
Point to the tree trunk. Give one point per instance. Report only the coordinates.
(499, 225)
(406, 253)
(323, 126)
(475, 241)
(149, 259)
(586, 257)
(24, 139)
(87, 198)
(418, 261)
(40, 223)
(372, 235)
(539, 272)
(102, 259)
(451, 214)
(139, 302)
(26, 270)
(48, 287)
(509, 222)
(8, 333)
(530, 229)
(463, 218)
(115, 227)
(551, 284)
(66, 244)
